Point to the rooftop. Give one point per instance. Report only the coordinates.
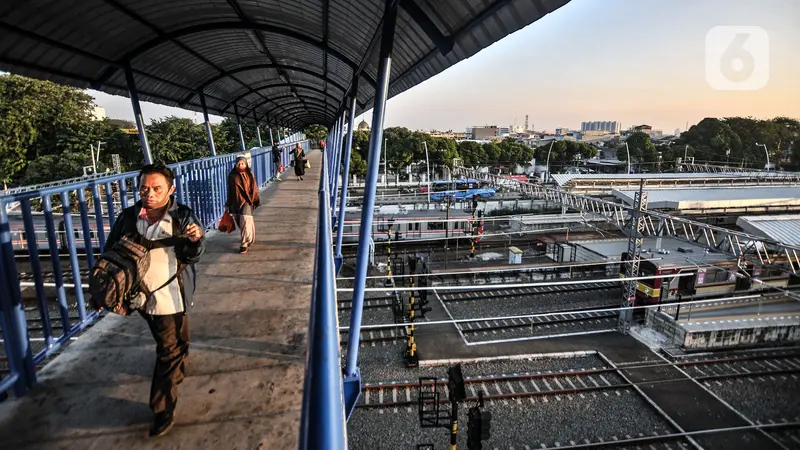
(564, 178)
(715, 198)
(780, 228)
(612, 250)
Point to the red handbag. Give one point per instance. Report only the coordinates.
(281, 169)
(226, 224)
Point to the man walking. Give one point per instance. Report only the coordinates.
(170, 282)
(276, 160)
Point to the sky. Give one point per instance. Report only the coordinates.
(632, 61)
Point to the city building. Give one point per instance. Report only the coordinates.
(504, 131)
(483, 132)
(449, 134)
(363, 126)
(607, 126)
(98, 113)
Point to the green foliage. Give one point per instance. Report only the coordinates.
(316, 133)
(174, 139)
(56, 167)
(641, 148)
(37, 118)
(564, 153)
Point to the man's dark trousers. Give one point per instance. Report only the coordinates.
(171, 333)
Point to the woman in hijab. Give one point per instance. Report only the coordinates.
(243, 200)
(299, 162)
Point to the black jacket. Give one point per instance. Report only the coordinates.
(187, 252)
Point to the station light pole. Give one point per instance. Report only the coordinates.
(547, 172)
(766, 152)
(629, 157)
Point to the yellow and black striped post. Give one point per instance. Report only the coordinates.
(411, 346)
(453, 425)
(472, 237)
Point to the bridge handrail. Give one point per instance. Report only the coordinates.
(200, 184)
(323, 423)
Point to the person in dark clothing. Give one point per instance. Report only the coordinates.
(299, 162)
(276, 160)
(158, 216)
(243, 200)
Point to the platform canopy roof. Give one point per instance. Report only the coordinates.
(291, 62)
(784, 228)
(716, 198)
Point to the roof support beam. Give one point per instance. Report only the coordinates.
(277, 85)
(327, 107)
(477, 20)
(259, 43)
(442, 42)
(216, 26)
(218, 77)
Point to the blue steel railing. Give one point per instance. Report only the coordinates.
(323, 423)
(93, 205)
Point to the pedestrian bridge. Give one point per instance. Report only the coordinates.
(264, 370)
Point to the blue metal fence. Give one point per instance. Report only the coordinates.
(323, 423)
(44, 226)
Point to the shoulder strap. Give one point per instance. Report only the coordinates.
(147, 292)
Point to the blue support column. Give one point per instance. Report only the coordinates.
(239, 127)
(12, 317)
(137, 115)
(208, 123)
(337, 165)
(345, 175)
(352, 380)
(258, 130)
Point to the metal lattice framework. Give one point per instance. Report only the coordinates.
(635, 239)
(747, 248)
(290, 62)
(759, 173)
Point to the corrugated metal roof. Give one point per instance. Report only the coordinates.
(238, 51)
(784, 229)
(612, 250)
(709, 198)
(564, 178)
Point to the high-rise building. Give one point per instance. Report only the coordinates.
(607, 126)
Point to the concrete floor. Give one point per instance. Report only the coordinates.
(247, 357)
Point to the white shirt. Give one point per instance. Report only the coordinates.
(163, 265)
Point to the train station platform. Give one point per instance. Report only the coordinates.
(245, 372)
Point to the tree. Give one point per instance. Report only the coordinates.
(472, 153)
(37, 118)
(711, 139)
(641, 149)
(316, 133)
(173, 139)
(56, 167)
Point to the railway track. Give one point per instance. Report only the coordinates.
(525, 292)
(503, 387)
(568, 318)
(533, 384)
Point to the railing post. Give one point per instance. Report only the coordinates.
(137, 115)
(352, 375)
(208, 123)
(339, 150)
(334, 169)
(12, 319)
(345, 174)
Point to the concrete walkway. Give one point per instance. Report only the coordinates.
(247, 355)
